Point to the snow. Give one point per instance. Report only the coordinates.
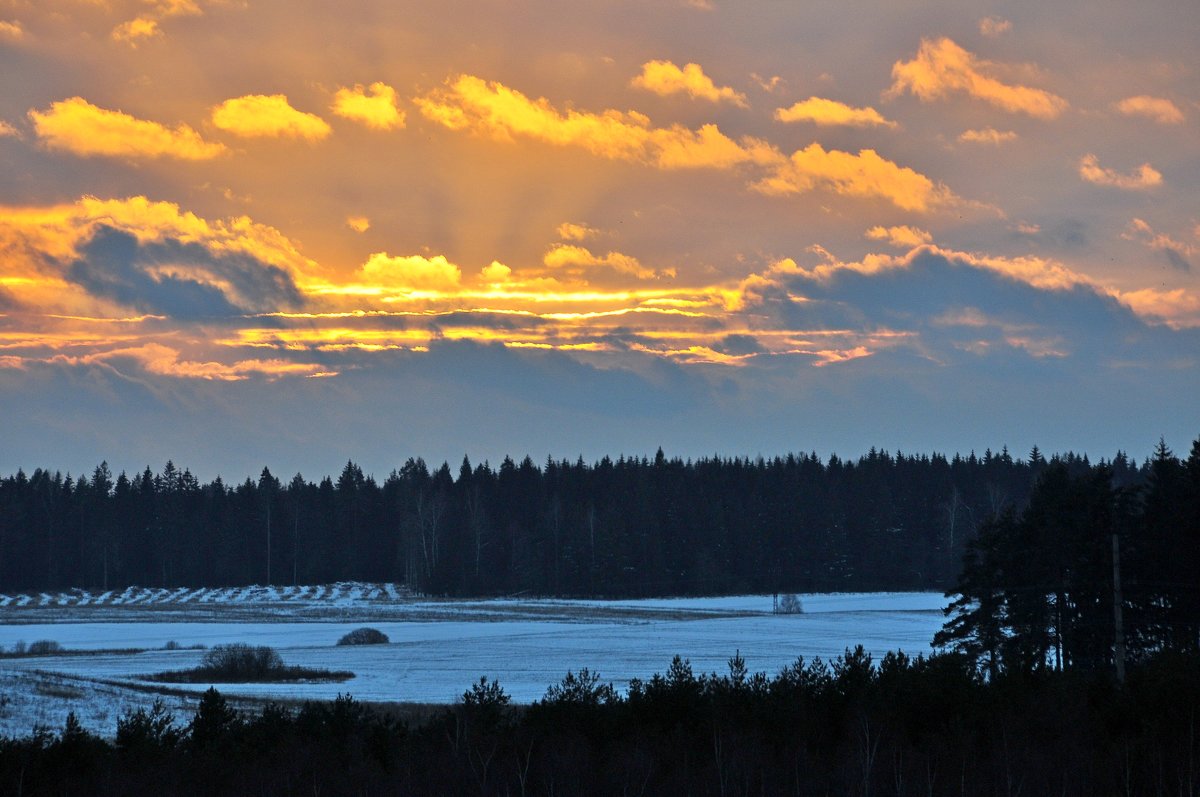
(526, 645)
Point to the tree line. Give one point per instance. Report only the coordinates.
(903, 726)
(624, 527)
(1088, 576)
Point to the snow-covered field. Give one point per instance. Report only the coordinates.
(437, 649)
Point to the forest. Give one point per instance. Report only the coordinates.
(852, 726)
(1069, 662)
(614, 528)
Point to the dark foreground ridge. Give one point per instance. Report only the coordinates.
(630, 527)
(902, 726)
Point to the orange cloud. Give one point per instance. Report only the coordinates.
(135, 29)
(493, 109)
(412, 273)
(1177, 308)
(664, 78)
(1159, 109)
(145, 26)
(865, 175)
(358, 223)
(767, 84)
(32, 236)
(77, 126)
(828, 113)
(11, 30)
(569, 231)
(8, 131)
(1142, 232)
(566, 256)
(374, 106)
(987, 135)
(262, 115)
(165, 361)
(1146, 176)
(942, 69)
(993, 27)
(902, 236)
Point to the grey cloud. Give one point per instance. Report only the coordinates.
(736, 345)
(114, 265)
(1176, 259)
(1093, 328)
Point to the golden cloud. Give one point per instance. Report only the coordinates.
(77, 126)
(865, 175)
(495, 273)
(268, 115)
(1144, 178)
(902, 236)
(942, 69)
(412, 273)
(374, 106)
(570, 231)
(11, 30)
(1159, 109)
(829, 113)
(664, 78)
(987, 135)
(358, 223)
(566, 256)
(135, 29)
(8, 131)
(495, 110)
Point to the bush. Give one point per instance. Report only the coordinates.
(239, 661)
(364, 636)
(44, 647)
(790, 604)
(242, 663)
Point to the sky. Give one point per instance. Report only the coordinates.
(237, 233)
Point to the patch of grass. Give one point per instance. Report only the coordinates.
(58, 690)
(21, 651)
(200, 675)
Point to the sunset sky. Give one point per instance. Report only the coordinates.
(237, 233)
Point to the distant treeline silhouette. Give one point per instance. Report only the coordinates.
(629, 527)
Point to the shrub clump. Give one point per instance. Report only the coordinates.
(44, 647)
(241, 663)
(790, 604)
(364, 636)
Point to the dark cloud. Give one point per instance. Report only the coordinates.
(1176, 259)
(736, 345)
(114, 265)
(952, 305)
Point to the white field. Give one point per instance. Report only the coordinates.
(437, 648)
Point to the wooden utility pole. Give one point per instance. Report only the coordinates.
(268, 540)
(1118, 623)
